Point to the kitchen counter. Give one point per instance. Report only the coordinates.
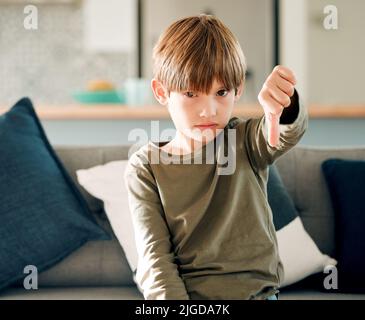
(123, 112)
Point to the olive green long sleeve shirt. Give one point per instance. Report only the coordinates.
(205, 235)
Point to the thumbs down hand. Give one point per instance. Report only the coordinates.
(274, 97)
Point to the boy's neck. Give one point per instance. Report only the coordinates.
(182, 145)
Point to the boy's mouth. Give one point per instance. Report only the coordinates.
(206, 125)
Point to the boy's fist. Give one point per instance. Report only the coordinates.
(274, 97)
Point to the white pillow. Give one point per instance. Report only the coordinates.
(106, 182)
(299, 253)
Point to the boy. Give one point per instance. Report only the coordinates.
(201, 235)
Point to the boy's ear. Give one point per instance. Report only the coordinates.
(240, 90)
(159, 92)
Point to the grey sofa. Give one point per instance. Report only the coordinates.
(99, 269)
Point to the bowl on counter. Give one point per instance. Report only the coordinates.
(100, 97)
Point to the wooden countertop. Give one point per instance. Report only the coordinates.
(123, 112)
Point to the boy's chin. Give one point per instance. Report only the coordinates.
(203, 135)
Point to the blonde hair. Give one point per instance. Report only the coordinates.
(194, 51)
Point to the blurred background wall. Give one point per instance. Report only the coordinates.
(50, 63)
(80, 40)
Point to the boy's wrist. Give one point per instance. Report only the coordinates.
(291, 113)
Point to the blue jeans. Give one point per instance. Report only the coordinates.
(273, 297)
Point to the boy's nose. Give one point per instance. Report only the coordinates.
(209, 110)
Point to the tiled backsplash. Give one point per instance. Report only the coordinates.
(50, 63)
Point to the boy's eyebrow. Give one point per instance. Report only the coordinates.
(220, 88)
(216, 89)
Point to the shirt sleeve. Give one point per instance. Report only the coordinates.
(157, 273)
(293, 124)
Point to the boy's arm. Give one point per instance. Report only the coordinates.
(157, 273)
(293, 124)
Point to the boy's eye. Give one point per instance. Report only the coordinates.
(222, 93)
(189, 94)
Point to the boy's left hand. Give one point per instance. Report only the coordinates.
(274, 97)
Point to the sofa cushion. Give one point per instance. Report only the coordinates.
(300, 170)
(74, 293)
(346, 183)
(43, 216)
(291, 235)
(106, 182)
(96, 263)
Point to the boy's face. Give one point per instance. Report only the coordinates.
(188, 109)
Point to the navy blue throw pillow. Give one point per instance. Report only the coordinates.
(282, 206)
(43, 216)
(346, 183)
